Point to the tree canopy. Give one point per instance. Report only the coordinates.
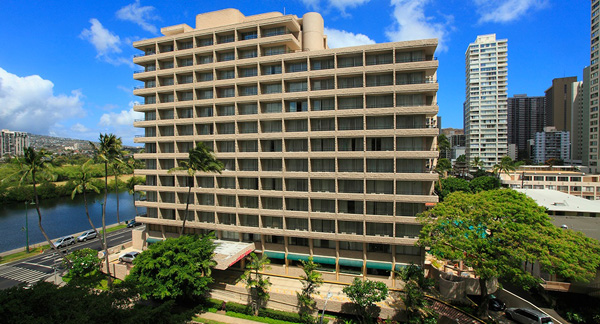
(496, 231)
(364, 294)
(175, 268)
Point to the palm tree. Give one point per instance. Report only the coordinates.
(477, 163)
(83, 182)
(201, 158)
(33, 164)
(130, 185)
(107, 151)
(255, 282)
(506, 165)
(118, 168)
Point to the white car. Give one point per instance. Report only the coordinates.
(528, 315)
(86, 236)
(64, 241)
(128, 257)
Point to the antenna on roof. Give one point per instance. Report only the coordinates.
(284, 11)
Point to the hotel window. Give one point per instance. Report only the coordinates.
(250, 90)
(205, 129)
(248, 146)
(323, 226)
(296, 125)
(350, 165)
(350, 144)
(248, 202)
(226, 183)
(271, 107)
(322, 124)
(351, 246)
(407, 230)
(322, 185)
(380, 187)
(186, 62)
(297, 86)
(248, 72)
(249, 220)
(248, 164)
(185, 79)
(322, 165)
(226, 38)
(379, 80)
(415, 56)
(322, 104)
(380, 208)
(322, 144)
(271, 88)
(350, 186)
(205, 42)
(410, 78)
(296, 67)
(296, 185)
(247, 109)
(349, 61)
(386, 101)
(225, 110)
(380, 122)
(207, 76)
(380, 144)
(205, 94)
(296, 106)
(268, 32)
(249, 35)
(272, 203)
(226, 92)
(296, 145)
(226, 147)
(350, 82)
(350, 123)
(271, 69)
(226, 128)
(271, 184)
(248, 183)
(323, 206)
(298, 241)
(322, 84)
(271, 165)
(322, 64)
(206, 199)
(227, 74)
(409, 209)
(227, 56)
(272, 126)
(345, 227)
(248, 127)
(350, 103)
(296, 165)
(248, 53)
(297, 204)
(205, 59)
(380, 58)
(410, 100)
(271, 145)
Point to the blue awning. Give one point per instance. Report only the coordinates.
(152, 240)
(274, 255)
(379, 265)
(351, 262)
(323, 260)
(297, 257)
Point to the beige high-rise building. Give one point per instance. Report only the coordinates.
(327, 152)
(13, 143)
(594, 158)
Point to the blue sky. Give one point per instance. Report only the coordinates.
(65, 65)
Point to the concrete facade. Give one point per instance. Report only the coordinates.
(594, 146)
(525, 118)
(327, 152)
(485, 107)
(13, 143)
(551, 144)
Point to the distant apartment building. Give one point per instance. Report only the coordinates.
(594, 146)
(567, 179)
(551, 144)
(525, 118)
(13, 143)
(328, 152)
(485, 107)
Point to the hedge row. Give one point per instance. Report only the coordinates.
(247, 310)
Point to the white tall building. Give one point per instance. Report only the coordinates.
(551, 144)
(485, 107)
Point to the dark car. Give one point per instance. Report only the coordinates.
(496, 304)
(133, 223)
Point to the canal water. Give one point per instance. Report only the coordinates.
(60, 216)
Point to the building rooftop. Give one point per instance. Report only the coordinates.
(559, 201)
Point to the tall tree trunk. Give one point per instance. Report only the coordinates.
(37, 208)
(117, 194)
(108, 277)
(485, 301)
(187, 205)
(87, 213)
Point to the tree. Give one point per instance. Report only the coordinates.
(84, 182)
(200, 158)
(48, 303)
(84, 271)
(418, 308)
(255, 282)
(106, 152)
(484, 183)
(450, 185)
(33, 164)
(130, 185)
(311, 280)
(443, 144)
(496, 232)
(118, 168)
(506, 165)
(477, 163)
(177, 268)
(364, 294)
(461, 158)
(443, 166)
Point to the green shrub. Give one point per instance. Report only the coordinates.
(238, 308)
(280, 315)
(256, 318)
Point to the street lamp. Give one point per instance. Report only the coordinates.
(329, 295)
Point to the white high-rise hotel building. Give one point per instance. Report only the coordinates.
(485, 107)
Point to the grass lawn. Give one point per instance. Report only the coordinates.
(22, 255)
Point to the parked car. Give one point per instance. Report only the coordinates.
(133, 223)
(91, 234)
(496, 304)
(528, 315)
(64, 241)
(128, 257)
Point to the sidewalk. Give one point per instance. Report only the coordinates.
(225, 319)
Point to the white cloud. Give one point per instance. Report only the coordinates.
(341, 5)
(123, 118)
(106, 43)
(411, 23)
(341, 38)
(29, 104)
(139, 15)
(502, 11)
(79, 128)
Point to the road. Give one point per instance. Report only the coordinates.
(41, 266)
